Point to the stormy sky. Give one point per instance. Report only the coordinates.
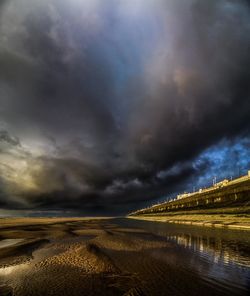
(107, 106)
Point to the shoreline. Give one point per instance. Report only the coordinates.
(206, 221)
(8, 222)
(115, 258)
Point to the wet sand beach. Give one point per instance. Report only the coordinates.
(96, 257)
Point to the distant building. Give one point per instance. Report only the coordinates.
(222, 183)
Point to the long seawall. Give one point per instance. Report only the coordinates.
(227, 205)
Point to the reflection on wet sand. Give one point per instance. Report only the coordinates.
(9, 242)
(221, 257)
(117, 257)
(216, 250)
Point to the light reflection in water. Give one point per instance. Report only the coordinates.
(220, 256)
(217, 250)
(9, 242)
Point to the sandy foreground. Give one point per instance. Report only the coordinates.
(90, 257)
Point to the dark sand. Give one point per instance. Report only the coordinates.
(91, 257)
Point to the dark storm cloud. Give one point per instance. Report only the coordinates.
(110, 104)
(207, 95)
(6, 138)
